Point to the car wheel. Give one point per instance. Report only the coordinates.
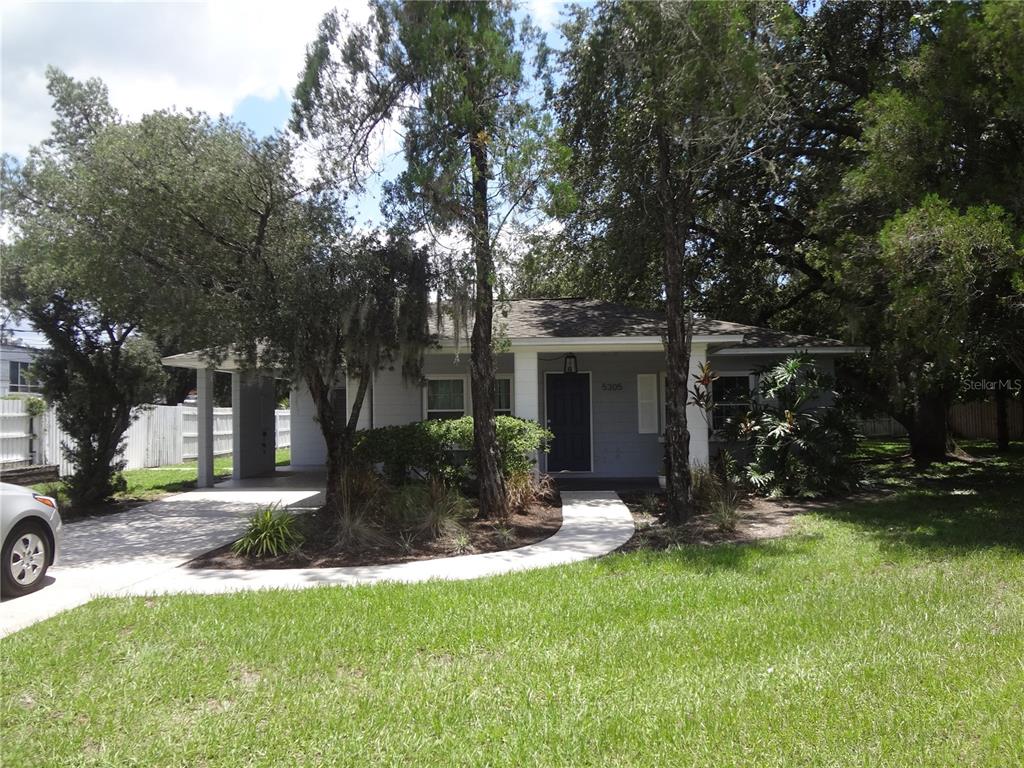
(26, 556)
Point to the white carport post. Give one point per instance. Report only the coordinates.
(204, 426)
(526, 389)
(697, 417)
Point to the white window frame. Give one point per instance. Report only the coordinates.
(640, 404)
(466, 394)
(510, 378)
(751, 386)
(18, 384)
(663, 395)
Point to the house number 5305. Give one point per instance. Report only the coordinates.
(606, 387)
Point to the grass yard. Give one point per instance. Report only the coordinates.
(883, 632)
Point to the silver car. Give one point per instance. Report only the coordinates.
(30, 528)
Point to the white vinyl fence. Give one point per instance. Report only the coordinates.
(15, 432)
(159, 436)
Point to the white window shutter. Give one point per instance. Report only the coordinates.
(647, 403)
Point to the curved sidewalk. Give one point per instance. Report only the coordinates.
(594, 523)
(141, 552)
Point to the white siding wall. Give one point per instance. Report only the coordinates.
(395, 400)
(308, 447)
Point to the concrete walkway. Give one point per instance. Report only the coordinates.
(140, 552)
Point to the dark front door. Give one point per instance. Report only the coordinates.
(568, 404)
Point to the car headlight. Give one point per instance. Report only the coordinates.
(51, 503)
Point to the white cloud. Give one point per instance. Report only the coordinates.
(204, 55)
(545, 13)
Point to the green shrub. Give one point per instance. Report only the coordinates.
(272, 531)
(799, 447)
(443, 449)
(34, 404)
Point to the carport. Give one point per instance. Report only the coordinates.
(253, 403)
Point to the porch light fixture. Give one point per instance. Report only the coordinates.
(569, 363)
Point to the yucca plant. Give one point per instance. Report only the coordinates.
(430, 509)
(272, 531)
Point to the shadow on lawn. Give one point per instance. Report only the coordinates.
(947, 509)
(953, 506)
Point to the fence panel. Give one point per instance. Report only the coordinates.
(161, 435)
(283, 429)
(15, 432)
(882, 426)
(977, 419)
(223, 428)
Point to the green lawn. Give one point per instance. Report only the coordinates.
(885, 632)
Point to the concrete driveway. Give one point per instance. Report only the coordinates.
(139, 552)
(108, 555)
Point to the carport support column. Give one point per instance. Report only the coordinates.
(526, 387)
(697, 417)
(204, 426)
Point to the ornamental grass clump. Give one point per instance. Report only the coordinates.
(272, 531)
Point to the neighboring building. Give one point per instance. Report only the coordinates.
(15, 361)
(592, 372)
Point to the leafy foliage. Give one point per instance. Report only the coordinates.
(62, 272)
(452, 74)
(440, 449)
(800, 444)
(660, 103)
(271, 531)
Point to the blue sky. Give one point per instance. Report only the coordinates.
(262, 115)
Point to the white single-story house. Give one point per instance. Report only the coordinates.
(593, 372)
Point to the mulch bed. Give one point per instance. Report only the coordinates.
(760, 519)
(319, 550)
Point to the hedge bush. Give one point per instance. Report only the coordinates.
(444, 449)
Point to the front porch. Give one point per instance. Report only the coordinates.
(605, 403)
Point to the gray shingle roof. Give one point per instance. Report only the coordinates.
(574, 318)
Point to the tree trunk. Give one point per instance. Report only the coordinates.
(481, 365)
(1002, 419)
(338, 436)
(678, 337)
(97, 462)
(929, 428)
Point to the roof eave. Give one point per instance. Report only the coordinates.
(790, 350)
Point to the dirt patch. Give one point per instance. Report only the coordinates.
(320, 550)
(760, 519)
